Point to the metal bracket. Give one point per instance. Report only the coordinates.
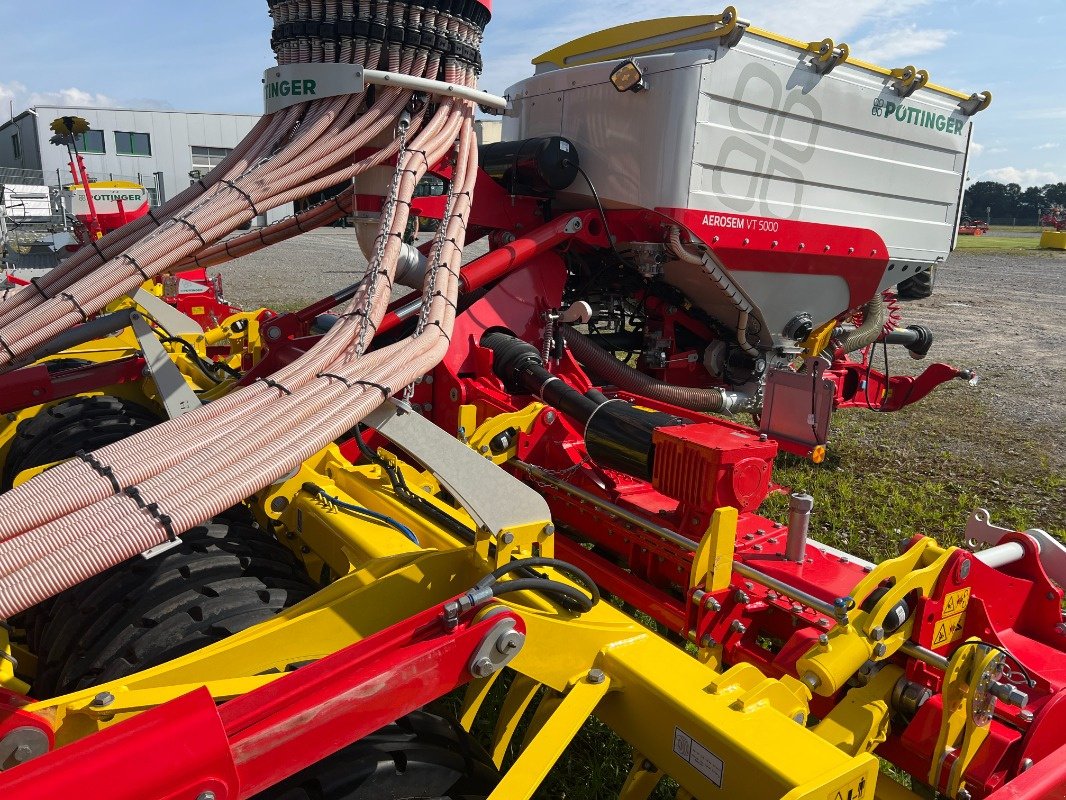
(497, 649)
(496, 500)
(828, 56)
(978, 101)
(907, 80)
(176, 395)
(798, 405)
(980, 530)
(176, 323)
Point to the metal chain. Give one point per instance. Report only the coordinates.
(388, 216)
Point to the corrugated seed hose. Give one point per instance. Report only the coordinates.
(625, 377)
(70, 523)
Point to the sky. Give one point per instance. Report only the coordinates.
(209, 55)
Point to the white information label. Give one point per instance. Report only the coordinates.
(290, 84)
(706, 763)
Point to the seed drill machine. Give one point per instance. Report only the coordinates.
(408, 548)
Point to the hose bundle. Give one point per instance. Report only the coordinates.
(84, 516)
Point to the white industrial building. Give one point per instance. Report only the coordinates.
(161, 150)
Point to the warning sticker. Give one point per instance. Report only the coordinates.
(948, 630)
(956, 602)
(855, 790)
(707, 763)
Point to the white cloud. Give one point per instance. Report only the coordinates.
(71, 97)
(1047, 146)
(1023, 177)
(976, 148)
(901, 44)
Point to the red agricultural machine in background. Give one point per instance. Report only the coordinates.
(270, 593)
(1055, 218)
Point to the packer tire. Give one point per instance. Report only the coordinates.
(418, 757)
(220, 579)
(80, 423)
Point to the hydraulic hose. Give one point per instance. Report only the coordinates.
(625, 377)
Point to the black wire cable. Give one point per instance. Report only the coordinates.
(599, 205)
(208, 366)
(1029, 682)
(545, 586)
(409, 498)
(579, 575)
(385, 519)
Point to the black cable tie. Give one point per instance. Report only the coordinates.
(225, 245)
(441, 295)
(8, 350)
(334, 376)
(100, 469)
(135, 494)
(444, 333)
(191, 227)
(275, 385)
(151, 214)
(425, 156)
(69, 297)
(449, 270)
(362, 314)
(203, 185)
(262, 241)
(163, 519)
(340, 206)
(96, 247)
(299, 227)
(244, 194)
(40, 291)
(385, 390)
(133, 263)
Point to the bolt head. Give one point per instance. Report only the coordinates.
(549, 530)
(964, 569)
(1027, 716)
(507, 538)
(549, 418)
(881, 650)
(205, 796)
(1061, 629)
(482, 668)
(823, 640)
(712, 605)
(741, 597)
(596, 676)
(103, 699)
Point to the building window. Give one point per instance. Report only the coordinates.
(205, 159)
(90, 142)
(16, 144)
(153, 196)
(133, 144)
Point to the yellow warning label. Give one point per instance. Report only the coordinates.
(855, 790)
(200, 310)
(948, 630)
(956, 602)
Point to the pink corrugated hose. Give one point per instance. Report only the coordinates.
(67, 524)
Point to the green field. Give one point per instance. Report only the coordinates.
(990, 242)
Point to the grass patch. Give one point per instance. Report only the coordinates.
(1001, 243)
(1016, 228)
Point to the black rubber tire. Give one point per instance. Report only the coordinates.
(919, 286)
(220, 579)
(418, 757)
(81, 423)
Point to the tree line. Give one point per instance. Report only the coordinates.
(1009, 200)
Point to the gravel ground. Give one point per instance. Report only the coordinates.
(1003, 314)
(999, 313)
